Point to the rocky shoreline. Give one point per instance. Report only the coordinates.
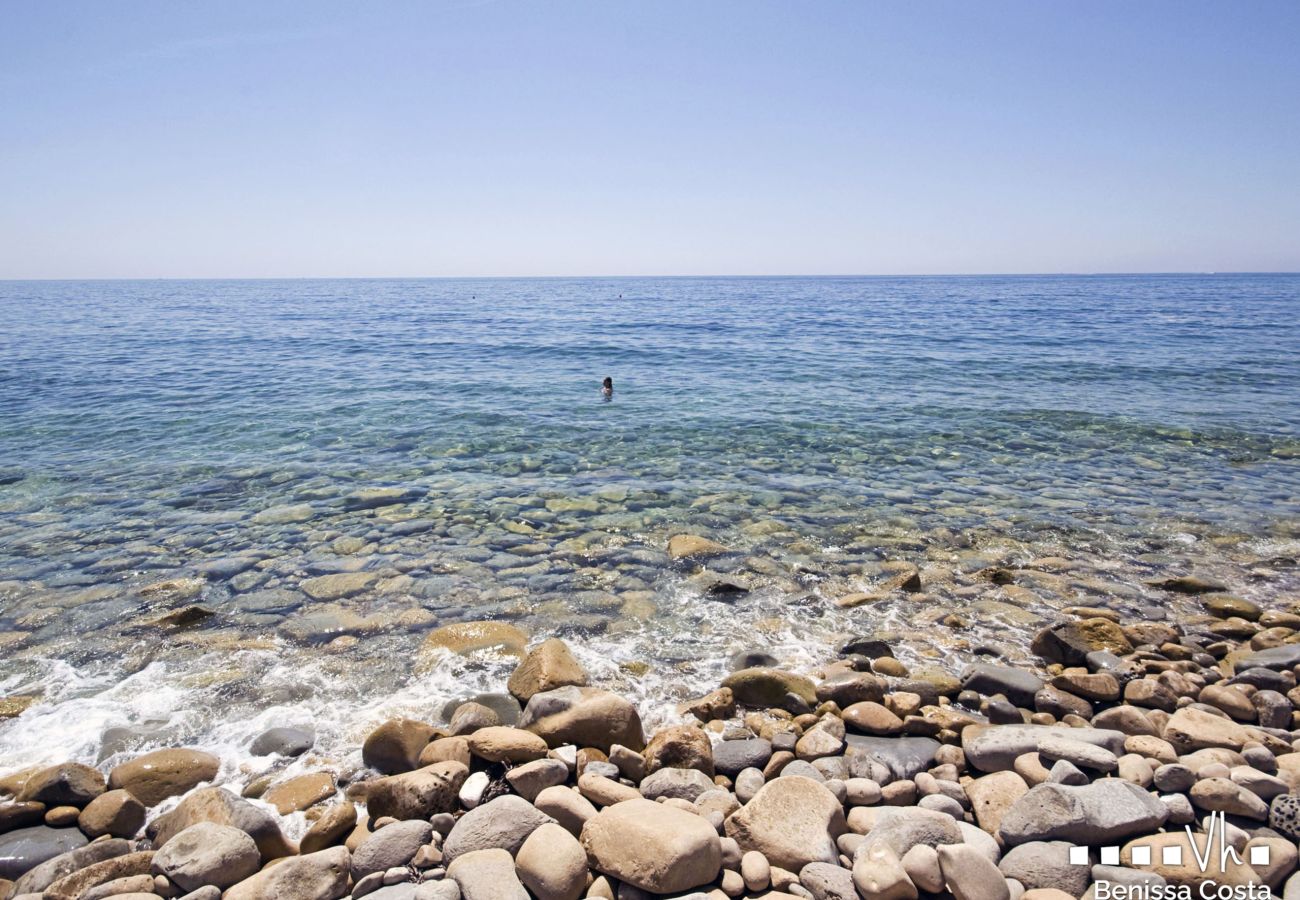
(859, 780)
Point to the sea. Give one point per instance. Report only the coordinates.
(179, 458)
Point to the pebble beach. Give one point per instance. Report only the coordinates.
(855, 588)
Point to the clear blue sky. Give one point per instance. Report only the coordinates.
(502, 138)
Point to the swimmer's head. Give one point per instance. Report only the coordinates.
(607, 384)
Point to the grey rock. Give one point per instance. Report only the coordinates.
(1061, 746)
(1285, 656)
(1045, 864)
(909, 826)
(1018, 685)
(1065, 772)
(828, 882)
(24, 849)
(207, 853)
(52, 869)
(730, 757)
(904, 757)
(282, 741)
(487, 875)
(503, 823)
(994, 748)
(1106, 810)
(393, 845)
(682, 784)
(531, 778)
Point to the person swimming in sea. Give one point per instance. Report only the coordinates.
(607, 388)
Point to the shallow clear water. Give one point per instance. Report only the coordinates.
(1098, 431)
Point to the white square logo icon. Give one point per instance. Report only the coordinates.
(1142, 855)
(1078, 856)
(1171, 856)
(1110, 856)
(1259, 855)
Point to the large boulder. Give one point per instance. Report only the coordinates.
(221, 807)
(679, 747)
(494, 639)
(992, 795)
(315, 876)
(391, 846)
(1045, 864)
(67, 784)
(653, 846)
(154, 777)
(994, 748)
(487, 875)
(207, 853)
(1191, 729)
(505, 823)
(503, 744)
(115, 813)
(763, 687)
(547, 666)
(52, 869)
(904, 757)
(552, 864)
(421, 794)
(1069, 643)
(76, 884)
(792, 821)
(587, 717)
(23, 849)
(1104, 811)
(395, 746)
(1017, 685)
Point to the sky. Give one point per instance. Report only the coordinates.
(673, 137)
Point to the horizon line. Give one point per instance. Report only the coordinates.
(1150, 273)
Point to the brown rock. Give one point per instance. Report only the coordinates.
(503, 744)
(1193, 729)
(872, 718)
(154, 777)
(719, 704)
(992, 795)
(471, 637)
(690, 546)
(679, 747)
(19, 815)
(73, 885)
(115, 813)
(221, 807)
(333, 826)
(67, 784)
(653, 846)
(421, 794)
(1098, 686)
(300, 792)
(587, 717)
(548, 666)
(317, 876)
(792, 821)
(395, 746)
(449, 749)
(763, 687)
(1069, 643)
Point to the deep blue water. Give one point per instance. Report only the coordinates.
(822, 426)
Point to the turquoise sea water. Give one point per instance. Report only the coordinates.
(1100, 432)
